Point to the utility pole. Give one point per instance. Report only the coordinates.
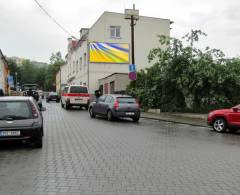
(132, 39)
(132, 15)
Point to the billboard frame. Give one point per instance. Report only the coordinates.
(109, 62)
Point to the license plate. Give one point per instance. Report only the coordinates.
(130, 113)
(78, 99)
(9, 133)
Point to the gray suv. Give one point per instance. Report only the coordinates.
(21, 119)
(115, 106)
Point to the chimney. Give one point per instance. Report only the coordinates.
(83, 32)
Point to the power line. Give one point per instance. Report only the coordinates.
(53, 19)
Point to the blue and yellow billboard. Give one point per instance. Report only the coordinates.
(109, 52)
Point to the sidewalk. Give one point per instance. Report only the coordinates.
(183, 118)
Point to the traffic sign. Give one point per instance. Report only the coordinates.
(132, 76)
(132, 68)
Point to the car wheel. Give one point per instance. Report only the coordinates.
(91, 113)
(109, 115)
(39, 142)
(219, 125)
(135, 119)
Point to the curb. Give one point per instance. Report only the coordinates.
(177, 122)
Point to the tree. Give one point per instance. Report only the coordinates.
(55, 62)
(184, 77)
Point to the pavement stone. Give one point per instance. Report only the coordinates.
(94, 156)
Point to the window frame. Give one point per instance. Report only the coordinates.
(113, 29)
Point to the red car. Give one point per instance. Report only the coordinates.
(224, 119)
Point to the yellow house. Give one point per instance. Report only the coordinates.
(4, 72)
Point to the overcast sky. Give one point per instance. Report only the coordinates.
(25, 30)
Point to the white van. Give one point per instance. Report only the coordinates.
(75, 95)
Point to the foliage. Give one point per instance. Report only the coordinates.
(185, 78)
(50, 78)
(28, 72)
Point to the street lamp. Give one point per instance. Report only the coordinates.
(132, 15)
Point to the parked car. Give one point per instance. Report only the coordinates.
(115, 106)
(75, 95)
(53, 96)
(21, 119)
(224, 119)
(30, 90)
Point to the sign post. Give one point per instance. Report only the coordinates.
(132, 15)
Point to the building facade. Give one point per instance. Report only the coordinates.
(4, 72)
(58, 82)
(112, 28)
(114, 83)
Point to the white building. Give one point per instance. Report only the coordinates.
(112, 28)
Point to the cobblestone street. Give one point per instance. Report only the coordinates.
(94, 156)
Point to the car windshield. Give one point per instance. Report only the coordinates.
(27, 87)
(126, 100)
(15, 110)
(53, 93)
(78, 89)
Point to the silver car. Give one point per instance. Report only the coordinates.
(21, 119)
(115, 106)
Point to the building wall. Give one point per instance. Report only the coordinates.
(1, 75)
(120, 82)
(64, 74)
(58, 82)
(147, 30)
(4, 72)
(77, 64)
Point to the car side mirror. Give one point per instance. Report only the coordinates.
(235, 109)
(43, 109)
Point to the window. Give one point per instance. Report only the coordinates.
(112, 87)
(102, 98)
(115, 32)
(65, 90)
(126, 100)
(73, 67)
(80, 63)
(15, 110)
(77, 66)
(108, 99)
(85, 60)
(78, 89)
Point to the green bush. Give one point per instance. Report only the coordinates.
(185, 78)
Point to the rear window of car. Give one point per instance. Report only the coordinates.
(15, 110)
(126, 100)
(53, 93)
(78, 89)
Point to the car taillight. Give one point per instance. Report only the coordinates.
(116, 104)
(34, 110)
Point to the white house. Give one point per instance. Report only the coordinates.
(111, 29)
